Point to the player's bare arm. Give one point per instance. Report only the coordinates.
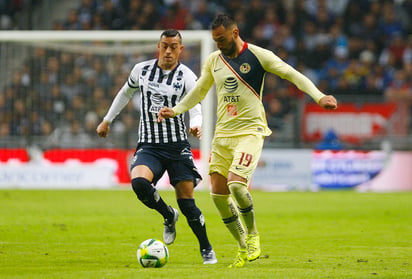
(103, 128)
(328, 102)
(165, 113)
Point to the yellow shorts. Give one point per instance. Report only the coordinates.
(239, 155)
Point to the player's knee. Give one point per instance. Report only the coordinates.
(143, 189)
(189, 209)
(242, 196)
(226, 207)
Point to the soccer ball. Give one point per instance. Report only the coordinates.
(152, 253)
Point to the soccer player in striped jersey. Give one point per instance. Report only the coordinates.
(163, 146)
(239, 69)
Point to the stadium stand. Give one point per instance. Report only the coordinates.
(358, 50)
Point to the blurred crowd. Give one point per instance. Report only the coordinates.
(14, 13)
(348, 48)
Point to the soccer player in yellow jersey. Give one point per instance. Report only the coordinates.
(239, 69)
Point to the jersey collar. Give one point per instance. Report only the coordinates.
(169, 71)
(245, 45)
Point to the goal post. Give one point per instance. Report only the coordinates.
(119, 42)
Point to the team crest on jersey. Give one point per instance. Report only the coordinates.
(177, 85)
(245, 68)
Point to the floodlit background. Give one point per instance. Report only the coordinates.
(53, 94)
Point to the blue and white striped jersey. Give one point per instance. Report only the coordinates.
(158, 88)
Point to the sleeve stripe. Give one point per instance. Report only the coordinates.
(131, 86)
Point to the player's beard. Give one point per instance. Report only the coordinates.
(231, 51)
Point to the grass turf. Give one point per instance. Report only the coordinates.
(95, 234)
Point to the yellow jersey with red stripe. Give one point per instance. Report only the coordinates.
(239, 85)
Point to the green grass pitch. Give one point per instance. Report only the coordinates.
(95, 234)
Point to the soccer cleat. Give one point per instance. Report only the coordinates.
(209, 256)
(253, 246)
(240, 260)
(169, 234)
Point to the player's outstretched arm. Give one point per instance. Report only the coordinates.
(103, 128)
(328, 102)
(165, 113)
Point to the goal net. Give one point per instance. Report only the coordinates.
(55, 86)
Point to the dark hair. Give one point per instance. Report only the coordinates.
(171, 33)
(223, 19)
